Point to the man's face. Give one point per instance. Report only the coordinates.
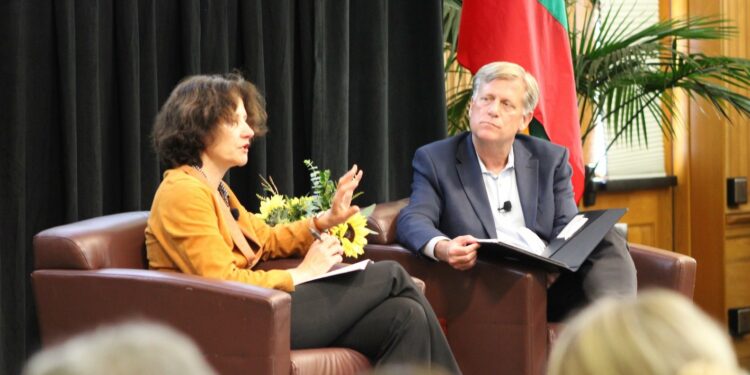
(496, 113)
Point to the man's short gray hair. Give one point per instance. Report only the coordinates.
(508, 71)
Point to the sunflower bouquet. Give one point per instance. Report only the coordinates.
(276, 208)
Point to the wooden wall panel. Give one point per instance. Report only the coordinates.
(742, 347)
(737, 250)
(681, 149)
(707, 184)
(643, 233)
(739, 279)
(737, 161)
(649, 216)
(717, 149)
(737, 151)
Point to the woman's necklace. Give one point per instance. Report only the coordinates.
(222, 189)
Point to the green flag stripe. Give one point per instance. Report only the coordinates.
(557, 9)
(536, 129)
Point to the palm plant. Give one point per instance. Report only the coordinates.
(623, 78)
(458, 89)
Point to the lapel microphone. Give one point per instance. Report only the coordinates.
(236, 212)
(505, 207)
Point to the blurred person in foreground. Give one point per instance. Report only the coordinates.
(658, 333)
(125, 349)
(197, 226)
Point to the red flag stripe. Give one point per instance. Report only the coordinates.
(526, 33)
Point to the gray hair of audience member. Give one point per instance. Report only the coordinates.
(407, 369)
(657, 333)
(131, 348)
(508, 71)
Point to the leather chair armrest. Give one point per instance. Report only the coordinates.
(383, 222)
(659, 268)
(235, 325)
(88, 244)
(491, 313)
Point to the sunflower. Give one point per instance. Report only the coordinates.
(270, 207)
(353, 235)
(276, 208)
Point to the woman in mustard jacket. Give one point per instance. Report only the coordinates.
(197, 226)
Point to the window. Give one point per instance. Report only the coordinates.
(632, 160)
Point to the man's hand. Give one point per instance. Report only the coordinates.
(460, 252)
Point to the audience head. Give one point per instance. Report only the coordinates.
(187, 121)
(131, 348)
(657, 333)
(508, 71)
(408, 369)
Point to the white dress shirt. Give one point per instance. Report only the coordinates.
(509, 224)
(502, 188)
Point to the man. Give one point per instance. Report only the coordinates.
(495, 182)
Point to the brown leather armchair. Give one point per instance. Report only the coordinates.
(494, 315)
(93, 272)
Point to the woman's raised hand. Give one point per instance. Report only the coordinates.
(341, 208)
(323, 254)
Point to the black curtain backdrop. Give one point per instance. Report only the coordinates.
(81, 81)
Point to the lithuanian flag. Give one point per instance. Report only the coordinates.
(533, 34)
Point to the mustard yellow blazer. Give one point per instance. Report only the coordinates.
(187, 232)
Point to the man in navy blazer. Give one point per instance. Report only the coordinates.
(493, 182)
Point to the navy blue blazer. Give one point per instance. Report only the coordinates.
(448, 197)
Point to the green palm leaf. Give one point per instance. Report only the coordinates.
(625, 78)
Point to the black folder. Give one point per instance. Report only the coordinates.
(561, 254)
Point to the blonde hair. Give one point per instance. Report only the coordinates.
(131, 348)
(657, 333)
(508, 71)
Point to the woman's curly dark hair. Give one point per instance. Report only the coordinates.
(186, 122)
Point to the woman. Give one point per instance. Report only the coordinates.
(198, 227)
(657, 333)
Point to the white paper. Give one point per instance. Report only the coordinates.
(522, 238)
(511, 237)
(359, 266)
(572, 227)
(533, 242)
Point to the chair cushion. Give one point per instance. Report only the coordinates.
(328, 361)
